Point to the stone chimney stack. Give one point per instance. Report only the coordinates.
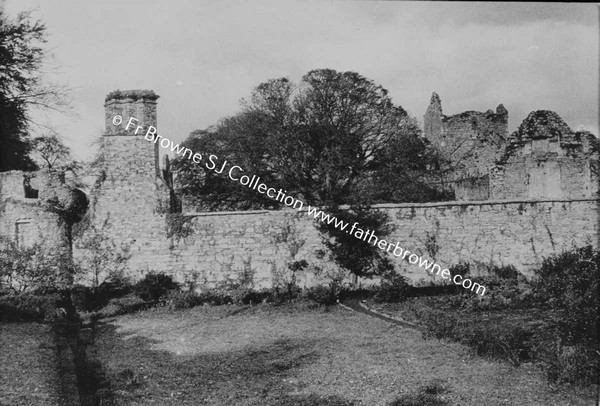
(140, 104)
(125, 152)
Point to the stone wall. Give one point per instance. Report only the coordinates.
(214, 246)
(519, 233)
(25, 220)
(132, 205)
(473, 188)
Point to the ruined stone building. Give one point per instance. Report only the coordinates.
(40, 208)
(520, 198)
(542, 159)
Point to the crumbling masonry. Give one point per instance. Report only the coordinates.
(520, 198)
(543, 159)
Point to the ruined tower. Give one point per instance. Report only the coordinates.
(469, 142)
(130, 197)
(432, 121)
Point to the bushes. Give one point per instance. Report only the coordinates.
(462, 269)
(568, 284)
(32, 268)
(117, 296)
(500, 340)
(33, 307)
(574, 365)
(393, 288)
(177, 300)
(506, 272)
(88, 298)
(154, 285)
(122, 305)
(322, 295)
(102, 260)
(562, 337)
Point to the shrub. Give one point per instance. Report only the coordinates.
(332, 279)
(89, 298)
(462, 269)
(569, 284)
(122, 305)
(437, 324)
(577, 365)
(257, 296)
(504, 341)
(101, 259)
(393, 288)
(361, 293)
(32, 268)
(505, 272)
(154, 285)
(322, 294)
(565, 340)
(32, 307)
(176, 299)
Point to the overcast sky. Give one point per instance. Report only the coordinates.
(202, 57)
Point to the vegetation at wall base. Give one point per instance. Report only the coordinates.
(34, 306)
(550, 320)
(154, 285)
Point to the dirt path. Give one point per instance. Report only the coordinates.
(357, 307)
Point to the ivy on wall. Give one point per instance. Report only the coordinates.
(179, 226)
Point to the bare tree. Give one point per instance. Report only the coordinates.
(49, 151)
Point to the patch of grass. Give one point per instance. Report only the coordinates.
(28, 365)
(293, 355)
(428, 395)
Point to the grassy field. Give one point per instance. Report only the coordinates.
(28, 374)
(294, 355)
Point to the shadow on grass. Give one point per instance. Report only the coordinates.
(258, 375)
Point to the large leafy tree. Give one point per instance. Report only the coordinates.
(334, 138)
(21, 87)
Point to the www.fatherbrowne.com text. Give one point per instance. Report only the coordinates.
(236, 174)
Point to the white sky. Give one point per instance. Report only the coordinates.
(202, 57)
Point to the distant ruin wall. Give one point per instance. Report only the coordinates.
(555, 178)
(28, 223)
(469, 140)
(214, 246)
(24, 220)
